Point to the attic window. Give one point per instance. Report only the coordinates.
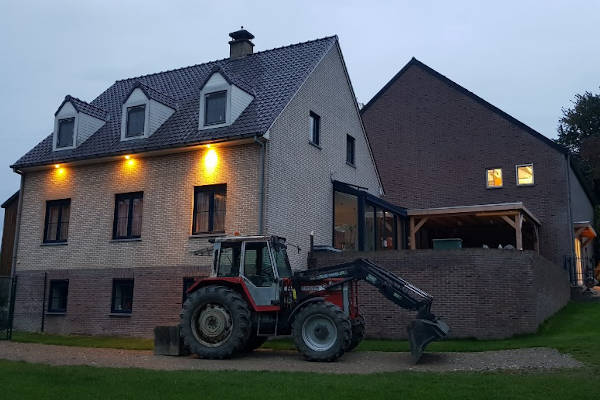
(65, 133)
(136, 117)
(215, 107)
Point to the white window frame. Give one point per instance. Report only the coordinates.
(209, 90)
(133, 103)
(75, 127)
(487, 183)
(532, 174)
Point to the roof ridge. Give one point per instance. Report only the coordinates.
(226, 59)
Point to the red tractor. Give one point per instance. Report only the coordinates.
(252, 295)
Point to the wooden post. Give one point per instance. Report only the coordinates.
(413, 244)
(519, 231)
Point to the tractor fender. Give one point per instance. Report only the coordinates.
(236, 283)
(302, 304)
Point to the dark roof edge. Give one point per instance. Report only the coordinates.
(10, 200)
(451, 83)
(136, 151)
(75, 100)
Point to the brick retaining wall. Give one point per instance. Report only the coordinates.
(481, 293)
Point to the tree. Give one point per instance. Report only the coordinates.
(580, 122)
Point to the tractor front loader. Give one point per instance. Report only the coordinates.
(252, 295)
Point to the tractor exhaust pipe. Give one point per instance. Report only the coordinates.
(422, 331)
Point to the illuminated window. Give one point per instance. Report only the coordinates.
(525, 174)
(494, 178)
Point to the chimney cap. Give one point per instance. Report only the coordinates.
(241, 34)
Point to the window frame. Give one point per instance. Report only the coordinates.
(315, 122)
(60, 203)
(131, 196)
(212, 189)
(58, 123)
(351, 150)
(487, 186)
(53, 284)
(114, 292)
(532, 174)
(128, 110)
(205, 111)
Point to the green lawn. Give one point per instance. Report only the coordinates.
(575, 330)
(113, 342)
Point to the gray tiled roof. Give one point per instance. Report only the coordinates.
(271, 76)
(82, 106)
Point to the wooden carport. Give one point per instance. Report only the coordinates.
(512, 214)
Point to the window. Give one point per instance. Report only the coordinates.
(57, 300)
(56, 225)
(128, 216)
(257, 264)
(315, 128)
(350, 149)
(525, 174)
(345, 235)
(187, 283)
(136, 118)
(215, 107)
(122, 296)
(209, 209)
(386, 228)
(229, 260)
(65, 132)
(494, 178)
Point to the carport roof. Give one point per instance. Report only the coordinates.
(478, 210)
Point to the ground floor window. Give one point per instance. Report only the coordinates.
(59, 292)
(362, 221)
(122, 296)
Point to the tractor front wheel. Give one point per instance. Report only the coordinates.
(215, 322)
(358, 332)
(321, 331)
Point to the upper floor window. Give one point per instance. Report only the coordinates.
(215, 105)
(350, 149)
(136, 118)
(525, 174)
(315, 128)
(122, 296)
(66, 135)
(56, 224)
(59, 291)
(128, 215)
(494, 178)
(209, 209)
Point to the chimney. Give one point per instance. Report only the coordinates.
(241, 45)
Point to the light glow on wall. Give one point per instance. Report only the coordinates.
(211, 160)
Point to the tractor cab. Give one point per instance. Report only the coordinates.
(261, 261)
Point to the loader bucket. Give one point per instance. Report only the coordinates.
(421, 332)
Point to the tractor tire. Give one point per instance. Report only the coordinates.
(358, 332)
(254, 342)
(215, 322)
(321, 331)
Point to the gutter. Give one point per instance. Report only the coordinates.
(261, 183)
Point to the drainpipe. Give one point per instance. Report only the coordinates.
(13, 263)
(571, 230)
(261, 184)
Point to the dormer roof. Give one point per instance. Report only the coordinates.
(153, 94)
(84, 107)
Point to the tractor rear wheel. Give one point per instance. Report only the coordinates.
(215, 322)
(358, 332)
(321, 331)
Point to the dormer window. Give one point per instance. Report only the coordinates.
(215, 108)
(66, 130)
(136, 117)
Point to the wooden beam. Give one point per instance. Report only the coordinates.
(412, 236)
(420, 224)
(579, 231)
(496, 213)
(509, 221)
(518, 231)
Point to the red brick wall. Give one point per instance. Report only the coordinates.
(433, 143)
(157, 296)
(481, 293)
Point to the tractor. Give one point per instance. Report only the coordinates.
(252, 295)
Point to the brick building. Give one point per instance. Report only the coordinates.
(115, 201)
(469, 171)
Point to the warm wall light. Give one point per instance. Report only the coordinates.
(57, 166)
(127, 157)
(211, 160)
(130, 162)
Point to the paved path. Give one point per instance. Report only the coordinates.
(267, 360)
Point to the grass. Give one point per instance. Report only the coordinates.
(575, 330)
(113, 342)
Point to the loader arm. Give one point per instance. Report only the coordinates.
(423, 330)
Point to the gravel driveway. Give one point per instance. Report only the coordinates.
(266, 360)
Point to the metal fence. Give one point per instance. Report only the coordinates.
(8, 286)
(581, 270)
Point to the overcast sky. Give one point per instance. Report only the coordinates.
(527, 57)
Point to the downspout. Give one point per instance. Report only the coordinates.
(13, 264)
(571, 230)
(261, 184)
